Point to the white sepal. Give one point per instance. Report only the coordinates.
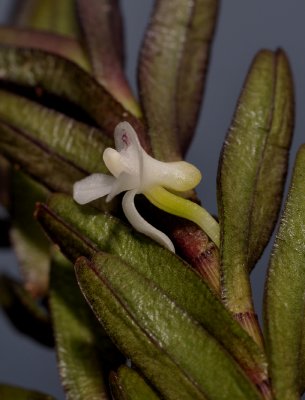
(140, 224)
(92, 187)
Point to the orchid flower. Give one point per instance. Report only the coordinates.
(134, 172)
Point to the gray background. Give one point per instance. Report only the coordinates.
(244, 27)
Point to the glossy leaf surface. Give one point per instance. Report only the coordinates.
(79, 144)
(252, 172)
(127, 384)
(55, 173)
(284, 297)
(173, 334)
(60, 77)
(70, 150)
(102, 25)
(84, 352)
(82, 231)
(171, 71)
(24, 312)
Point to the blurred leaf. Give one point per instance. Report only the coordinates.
(4, 179)
(127, 384)
(85, 353)
(252, 173)
(284, 296)
(4, 232)
(52, 15)
(62, 78)
(8, 392)
(51, 42)
(82, 231)
(159, 323)
(172, 71)
(29, 241)
(102, 25)
(24, 312)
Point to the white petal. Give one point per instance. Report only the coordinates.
(92, 188)
(113, 161)
(128, 145)
(140, 224)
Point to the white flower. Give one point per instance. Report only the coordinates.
(134, 172)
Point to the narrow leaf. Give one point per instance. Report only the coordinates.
(50, 15)
(24, 312)
(131, 339)
(85, 353)
(102, 25)
(193, 67)
(196, 354)
(82, 230)
(78, 143)
(72, 149)
(29, 241)
(54, 172)
(51, 42)
(62, 78)
(284, 296)
(127, 384)
(172, 69)
(252, 173)
(8, 392)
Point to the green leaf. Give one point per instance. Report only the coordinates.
(302, 360)
(82, 231)
(252, 173)
(24, 312)
(8, 392)
(193, 67)
(159, 323)
(31, 133)
(127, 384)
(172, 69)
(60, 77)
(54, 172)
(51, 42)
(79, 144)
(29, 241)
(102, 25)
(85, 353)
(51, 15)
(284, 296)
